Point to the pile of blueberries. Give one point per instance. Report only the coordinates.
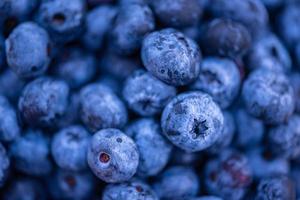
(150, 99)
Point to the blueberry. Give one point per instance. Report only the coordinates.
(251, 13)
(77, 68)
(132, 23)
(145, 94)
(225, 37)
(8, 80)
(44, 101)
(220, 78)
(295, 175)
(111, 82)
(27, 50)
(204, 198)
(250, 130)
(69, 148)
(153, 148)
(171, 57)
(112, 156)
(71, 185)
(9, 127)
(276, 188)
(98, 22)
(295, 82)
(181, 157)
(101, 108)
(192, 121)
(62, 19)
(4, 165)
(133, 190)
(30, 153)
(273, 4)
(71, 115)
(177, 13)
(177, 182)
(2, 52)
(228, 176)
(268, 52)
(284, 139)
(268, 95)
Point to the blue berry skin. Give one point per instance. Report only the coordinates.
(177, 13)
(264, 165)
(101, 108)
(251, 13)
(228, 176)
(71, 115)
(220, 78)
(295, 175)
(132, 23)
(69, 148)
(25, 189)
(295, 82)
(98, 22)
(276, 188)
(225, 37)
(28, 50)
(71, 185)
(62, 19)
(192, 121)
(250, 130)
(153, 148)
(44, 101)
(31, 152)
(113, 156)
(171, 57)
(145, 94)
(9, 80)
(284, 139)
(2, 52)
(205, 198)
(9, 127)
(268, 52)
(17, 9)
(77, 68)
(269, 96)
(4, 165)
(181, 157)
(177, 182)
(111, 82)
(228, 132)
(133, 190)
(273, 4)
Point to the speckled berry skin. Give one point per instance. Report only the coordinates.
(4, 165)
(133, 190)
(220, 78)
(228, 176)
(9, 127)
(192, 121)
(43, 101)
(177, 13)
(284, 139)
(225, 37)
(62, 19)
(153, 148)
(268, 95)
(132, 23)
(69, 148)
(113, 156)
(177, 182)
(27, 50)
(101, 108)
(276, 188)
(171, 57)
(30, 153)
(145, 94)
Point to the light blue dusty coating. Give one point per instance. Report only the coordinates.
(27, 50)
(44, 101)
(101, 108)
(9, 127)
(123, 156)
(171, 57)
(192, 121)
(145, 94)
(153, 148)
(69, 148)
(4, 165)
(31, 153)
(268, 95)
(177, 182)
(220, 78)
(133, 190)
